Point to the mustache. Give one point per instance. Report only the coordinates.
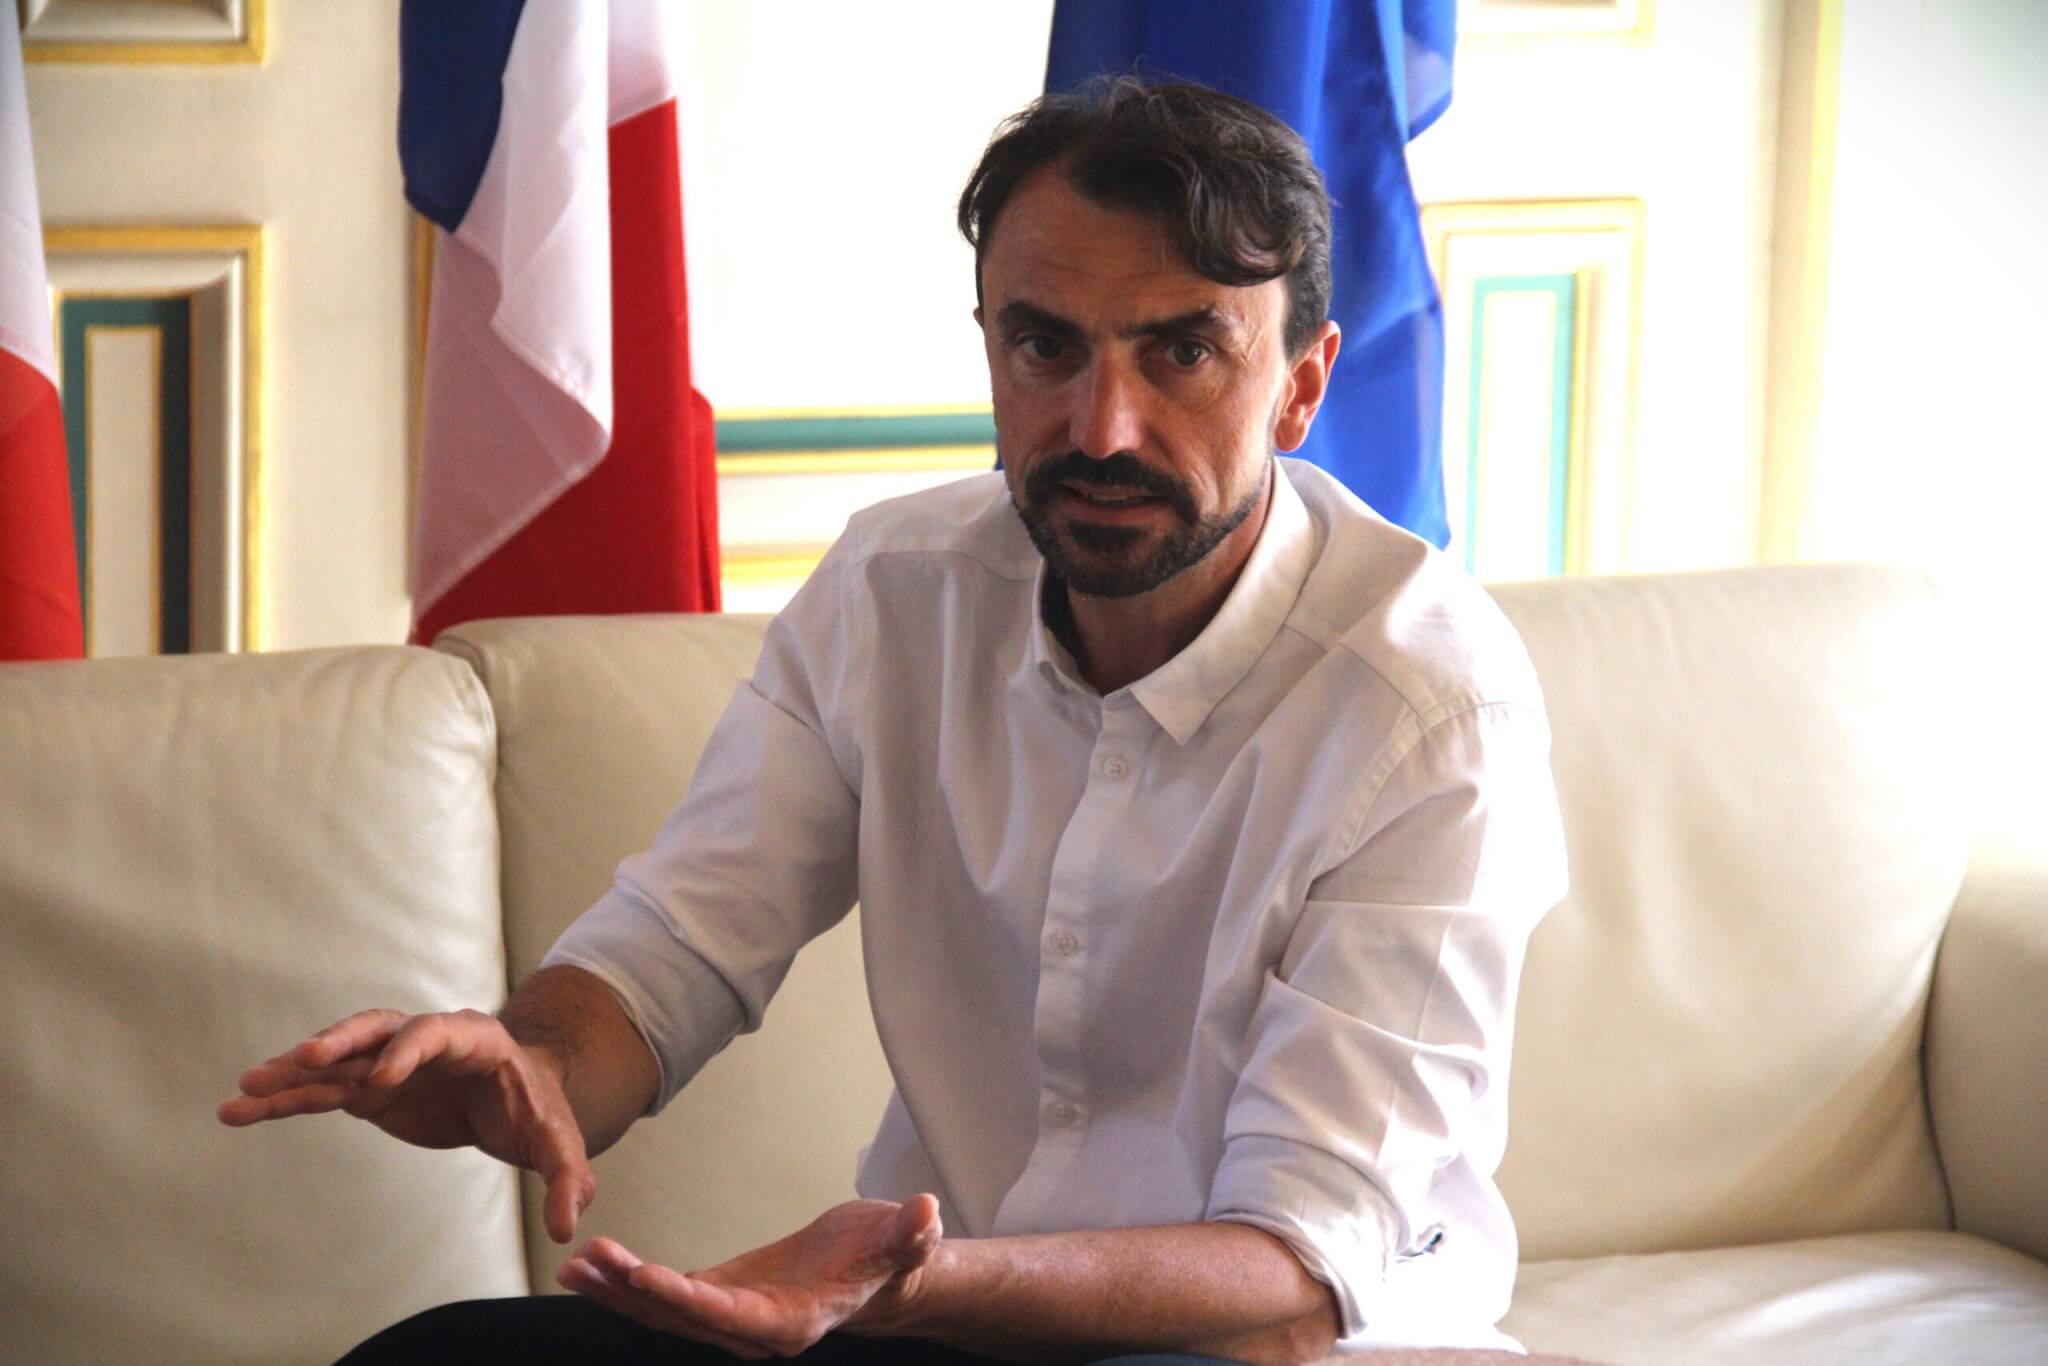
(1121, 470)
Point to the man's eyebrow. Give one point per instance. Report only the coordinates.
(1208, 318)
(1019, 316)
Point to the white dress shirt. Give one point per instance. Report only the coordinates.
(1238, 941)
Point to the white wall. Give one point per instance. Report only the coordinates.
(824, 147)
(1933, 444)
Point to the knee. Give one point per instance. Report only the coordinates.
(447, 1331)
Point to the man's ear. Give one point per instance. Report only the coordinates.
(1308, 379)
(977, 315)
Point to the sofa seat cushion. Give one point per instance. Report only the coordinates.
(1869, 1298)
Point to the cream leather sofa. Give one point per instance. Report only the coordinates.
(1782, 1057)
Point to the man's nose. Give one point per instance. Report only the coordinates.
(1108, 413)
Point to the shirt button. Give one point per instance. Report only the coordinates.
(1115, 766)
(1065, 944)
(1064, 1115)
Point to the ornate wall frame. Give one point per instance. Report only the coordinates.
(1542, 324)
(147, 32)
(207, 282)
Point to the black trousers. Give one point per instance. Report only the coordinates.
(568, 1328)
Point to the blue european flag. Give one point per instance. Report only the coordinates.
(1357, 79)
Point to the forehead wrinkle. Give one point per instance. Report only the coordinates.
(1175, 306)
(1105, 271)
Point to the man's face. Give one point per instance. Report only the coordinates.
(1136, 401)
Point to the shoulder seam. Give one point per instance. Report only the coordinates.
(1344, 836)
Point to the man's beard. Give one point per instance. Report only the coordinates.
(1103, 561)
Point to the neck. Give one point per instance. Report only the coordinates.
(1117, 641)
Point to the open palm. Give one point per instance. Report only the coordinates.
(856, 1262)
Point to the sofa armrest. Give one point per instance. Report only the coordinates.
(1987, 1045)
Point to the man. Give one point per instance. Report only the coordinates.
(1198, 819)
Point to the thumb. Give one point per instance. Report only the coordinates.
(915, 1232)
(571, 1186)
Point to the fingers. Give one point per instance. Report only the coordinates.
(571, 1186)
(610, 1256)
(453, 1040)
(242, 1111)
(366, 1031)
(606, 1272)
(355, 1063)
(551, 1144)
(281, 1074)
(916, 1232)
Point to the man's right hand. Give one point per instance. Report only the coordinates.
(439, 1081)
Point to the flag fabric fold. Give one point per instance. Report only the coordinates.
(566, 462)
(40, 615)
(1357, 79)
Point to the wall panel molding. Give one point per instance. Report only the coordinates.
(145, 32)
(1542, 323)
(1515, 21)
(788, 477)
(1801, 238)
(186, 422)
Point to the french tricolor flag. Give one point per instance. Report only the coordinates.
(566, 463)
(39, 606)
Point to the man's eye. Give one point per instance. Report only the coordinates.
(1042, 347)
(1187, 354)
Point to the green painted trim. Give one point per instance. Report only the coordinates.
(172, 319)
(1475, 393)
(174, 418)
(743, 436)
(1563, 288)
(1561, 388)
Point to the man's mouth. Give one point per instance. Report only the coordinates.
(1102, 498)
(1108, 497)
(1115, 491)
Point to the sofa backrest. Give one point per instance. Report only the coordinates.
(202, 860)
(1719, 1031)
(600, 723)
(1718, 1038)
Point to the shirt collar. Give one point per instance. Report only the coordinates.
(1180, 694)
(1054, 662)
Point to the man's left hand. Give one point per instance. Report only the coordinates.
(855, 1264)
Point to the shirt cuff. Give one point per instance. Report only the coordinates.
(1344, 1230)
(678, 1002)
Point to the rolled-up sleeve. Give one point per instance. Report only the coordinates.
(699, 931)
(1371, 1111)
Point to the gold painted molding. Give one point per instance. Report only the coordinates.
(1579, 468)
(859, 410)
(776, 564)
(249, 49)
(1510, 23)
(1801, 236)
(1626, 219)
(425, 238)
(1522, 216)
(905, 460)
(238, 239)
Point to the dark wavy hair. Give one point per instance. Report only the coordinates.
(1234, 185)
